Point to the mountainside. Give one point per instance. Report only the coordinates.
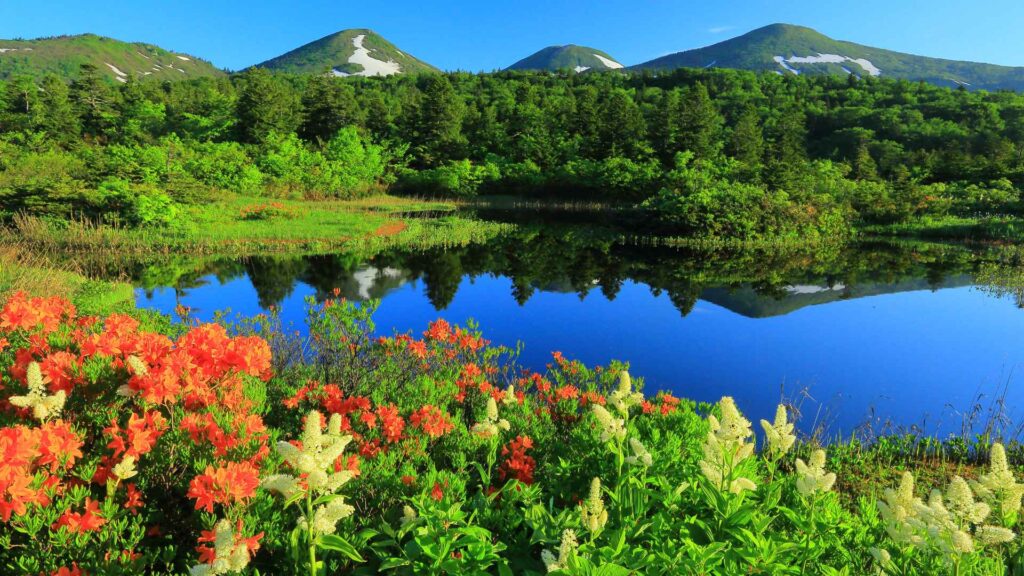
(578, 58)
(64, 55)
(357, 52)
(789, 49)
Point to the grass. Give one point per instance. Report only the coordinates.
(40, 276)
(967, 229)
(298, 227)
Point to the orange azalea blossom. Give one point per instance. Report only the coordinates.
(86, 521)
(30, 314)
(232, 482)
(59, 370)
(517, 464)
(133, 501)
(391, 424)
(59, 446)
(139, 437)
(349, 462)
(436, 492)
(431, 420)
(19, 449)
(64, 571)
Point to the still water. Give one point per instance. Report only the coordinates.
(865, 338)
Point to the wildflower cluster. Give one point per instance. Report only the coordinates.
(778, 434)
(726, 448)
(949, 524)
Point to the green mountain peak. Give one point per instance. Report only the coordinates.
(352, 52)
(569, 56)
(788, 49)
(118, 60)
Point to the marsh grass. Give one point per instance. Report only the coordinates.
(222, 228)
(37, 274)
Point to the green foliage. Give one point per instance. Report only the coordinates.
(135, 204)
(824, 152)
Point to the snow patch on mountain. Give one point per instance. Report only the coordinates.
(609, 63)
(782, 62)
(121, 76)
(864, 63)
(579, 69)
(371, 66)
(183, 58)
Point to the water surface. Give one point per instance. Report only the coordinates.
(867, 337)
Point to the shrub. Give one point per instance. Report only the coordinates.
(120, 201)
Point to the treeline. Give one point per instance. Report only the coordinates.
(709, 152)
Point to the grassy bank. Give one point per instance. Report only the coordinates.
(242, 226)
(954, 228)
(38, 276)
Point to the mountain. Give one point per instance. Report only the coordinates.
(64, 55)
(788, 49)
(357, 52)
(578, 58)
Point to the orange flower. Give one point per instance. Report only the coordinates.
(231, 482)
(518, 464)
(431, 420)
(391, 424)
(64, 571)
(140, 436)
(134, 498)
(59, 446)
(59, 370)
(79, 523)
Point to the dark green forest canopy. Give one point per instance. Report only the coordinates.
(713, 152)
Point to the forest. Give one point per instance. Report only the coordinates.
(704, 153)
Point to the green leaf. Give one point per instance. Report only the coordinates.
(339, 544)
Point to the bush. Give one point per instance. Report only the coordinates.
(459, 178)
(120, 201)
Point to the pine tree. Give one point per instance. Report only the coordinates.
(93, 100)
(747, 144)
(329, 105)
(622, 128)
(266, 104)
(57, 115)
(700, 124)
(439, 127)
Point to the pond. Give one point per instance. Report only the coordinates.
(866, 339)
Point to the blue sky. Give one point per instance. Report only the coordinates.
(460, 34)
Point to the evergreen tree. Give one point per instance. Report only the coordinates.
(664, 126)
(265, 104)
(93, 100)
(622, 127)
(57, 114)
(329, 105)
(21, 104)
(864, 167)
(439, 127)
(700, 123)
(787, 155)
(746, 144)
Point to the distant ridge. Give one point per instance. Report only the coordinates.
(789, 49)
(64, 56)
